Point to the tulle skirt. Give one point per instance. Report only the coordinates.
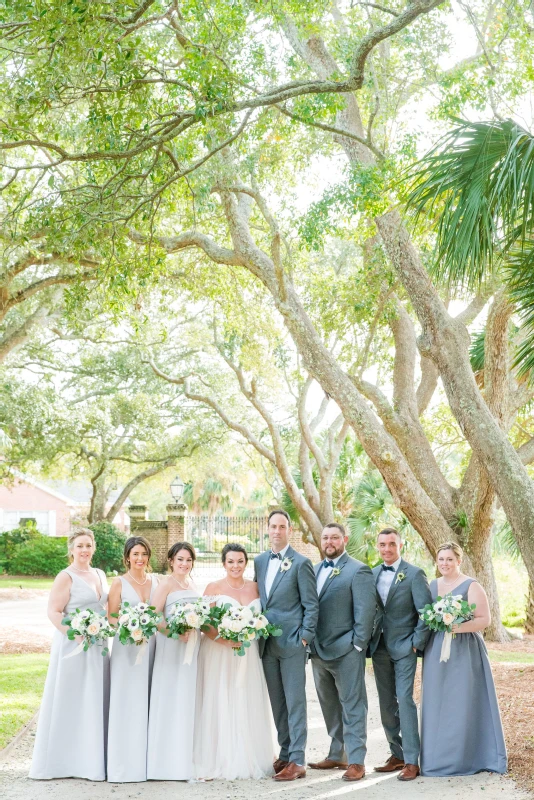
(234, 728)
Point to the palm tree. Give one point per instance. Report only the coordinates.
(479, 182)
(506, 544)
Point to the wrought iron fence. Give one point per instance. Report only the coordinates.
(209, 534)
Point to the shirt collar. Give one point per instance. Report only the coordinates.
(282, 552)
(396, 564)
(334, 560)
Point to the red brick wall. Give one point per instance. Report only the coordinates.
(307, 549)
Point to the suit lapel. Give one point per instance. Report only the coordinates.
(280, 574)
(340, 564)
(395, 582)
(377, 572)
(261, 568)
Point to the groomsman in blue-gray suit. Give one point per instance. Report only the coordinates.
(347, 608)
(286, 583)
(398, 637)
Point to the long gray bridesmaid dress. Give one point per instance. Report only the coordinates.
(172, 704)
(461, 729)
(128, 703)
(71, 731)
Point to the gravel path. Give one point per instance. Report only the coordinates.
(14, 785)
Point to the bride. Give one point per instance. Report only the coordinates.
(234, 729)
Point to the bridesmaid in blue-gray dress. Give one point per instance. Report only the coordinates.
(174, 683)
(130, 682)
(461, 729)
(71, 732)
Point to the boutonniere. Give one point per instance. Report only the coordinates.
(400, 577)
(335, 571)
(286, 564)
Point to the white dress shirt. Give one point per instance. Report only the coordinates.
(325, 573)
(385, 579)
(272, 569)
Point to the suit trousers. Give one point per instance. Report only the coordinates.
(286, 682)
(398, 712)
(340, 685)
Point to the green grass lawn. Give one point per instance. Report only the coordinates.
(22, 680)
(497, 656)
(25, 582)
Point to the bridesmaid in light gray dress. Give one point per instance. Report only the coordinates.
(130, 682)
(71, 731)
(173, 696)
(461, 729)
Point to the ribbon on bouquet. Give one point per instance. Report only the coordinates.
(190, 646)
(76, 650)
(446, 647)
(141, 652)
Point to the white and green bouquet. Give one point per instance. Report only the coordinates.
(443, 614)
(189, 617)
(92, 626)
(137, 625)
(242, 625)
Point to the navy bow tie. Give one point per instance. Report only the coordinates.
(276, 555)
(388, 569)
(328, 563)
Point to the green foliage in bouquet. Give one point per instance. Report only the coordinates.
(447, 611)
(241, 625)
(137, 624)
(92, 625)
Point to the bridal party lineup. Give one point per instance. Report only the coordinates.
(156, 678)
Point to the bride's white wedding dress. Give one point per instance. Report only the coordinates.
(234, 728)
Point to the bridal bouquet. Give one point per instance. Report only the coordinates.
(191, 616)
(137, 624)
(443, 614)
(241, 625)
(93, 626)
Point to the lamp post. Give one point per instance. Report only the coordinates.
(176, 513)
(177, 489)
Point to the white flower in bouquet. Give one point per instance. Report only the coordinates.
(137, 635)
(260, 622)
(137, 625)
(442, 616)
(236, 625)
(144, 619)
(85, 614)
(448, 619)
(142, 607)
(192, 619)
(132, 624)
(92, 626)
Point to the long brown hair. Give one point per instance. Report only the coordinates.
(129, 545)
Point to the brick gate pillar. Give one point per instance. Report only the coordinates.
(176, 523)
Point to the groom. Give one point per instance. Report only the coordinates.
(399, 635)
(286, 583)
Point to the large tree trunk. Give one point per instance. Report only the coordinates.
(446, 341)
(99, 497)
(529, 622)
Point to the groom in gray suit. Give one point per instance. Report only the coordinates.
(286, 583)
(398, 637)
(347, 608)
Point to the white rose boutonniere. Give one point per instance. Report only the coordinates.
(286, 564)
(400, 577)
(335, 571)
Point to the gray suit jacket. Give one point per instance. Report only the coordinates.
(292, 603)
(399, 619)
(347, 609)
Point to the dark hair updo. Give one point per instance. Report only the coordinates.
(175, 549)
(233, 548)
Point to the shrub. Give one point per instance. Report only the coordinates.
(44, 555)
(109, 547)
(10, 540)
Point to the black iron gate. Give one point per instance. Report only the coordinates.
(209, 534)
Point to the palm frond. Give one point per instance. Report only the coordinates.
(519, 273)
(476, 351)
(479, 180)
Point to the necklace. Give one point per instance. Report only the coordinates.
(450, 583)
(86, 571)
(136, 581)
(235, 588)
(179, 584)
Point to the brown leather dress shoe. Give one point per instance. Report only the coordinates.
(409, 773)
(279, 765)
(355, 772)
(290, 773)
(391, 765)
(328, 763)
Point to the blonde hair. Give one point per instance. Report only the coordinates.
(74, 535)
(456, 549)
